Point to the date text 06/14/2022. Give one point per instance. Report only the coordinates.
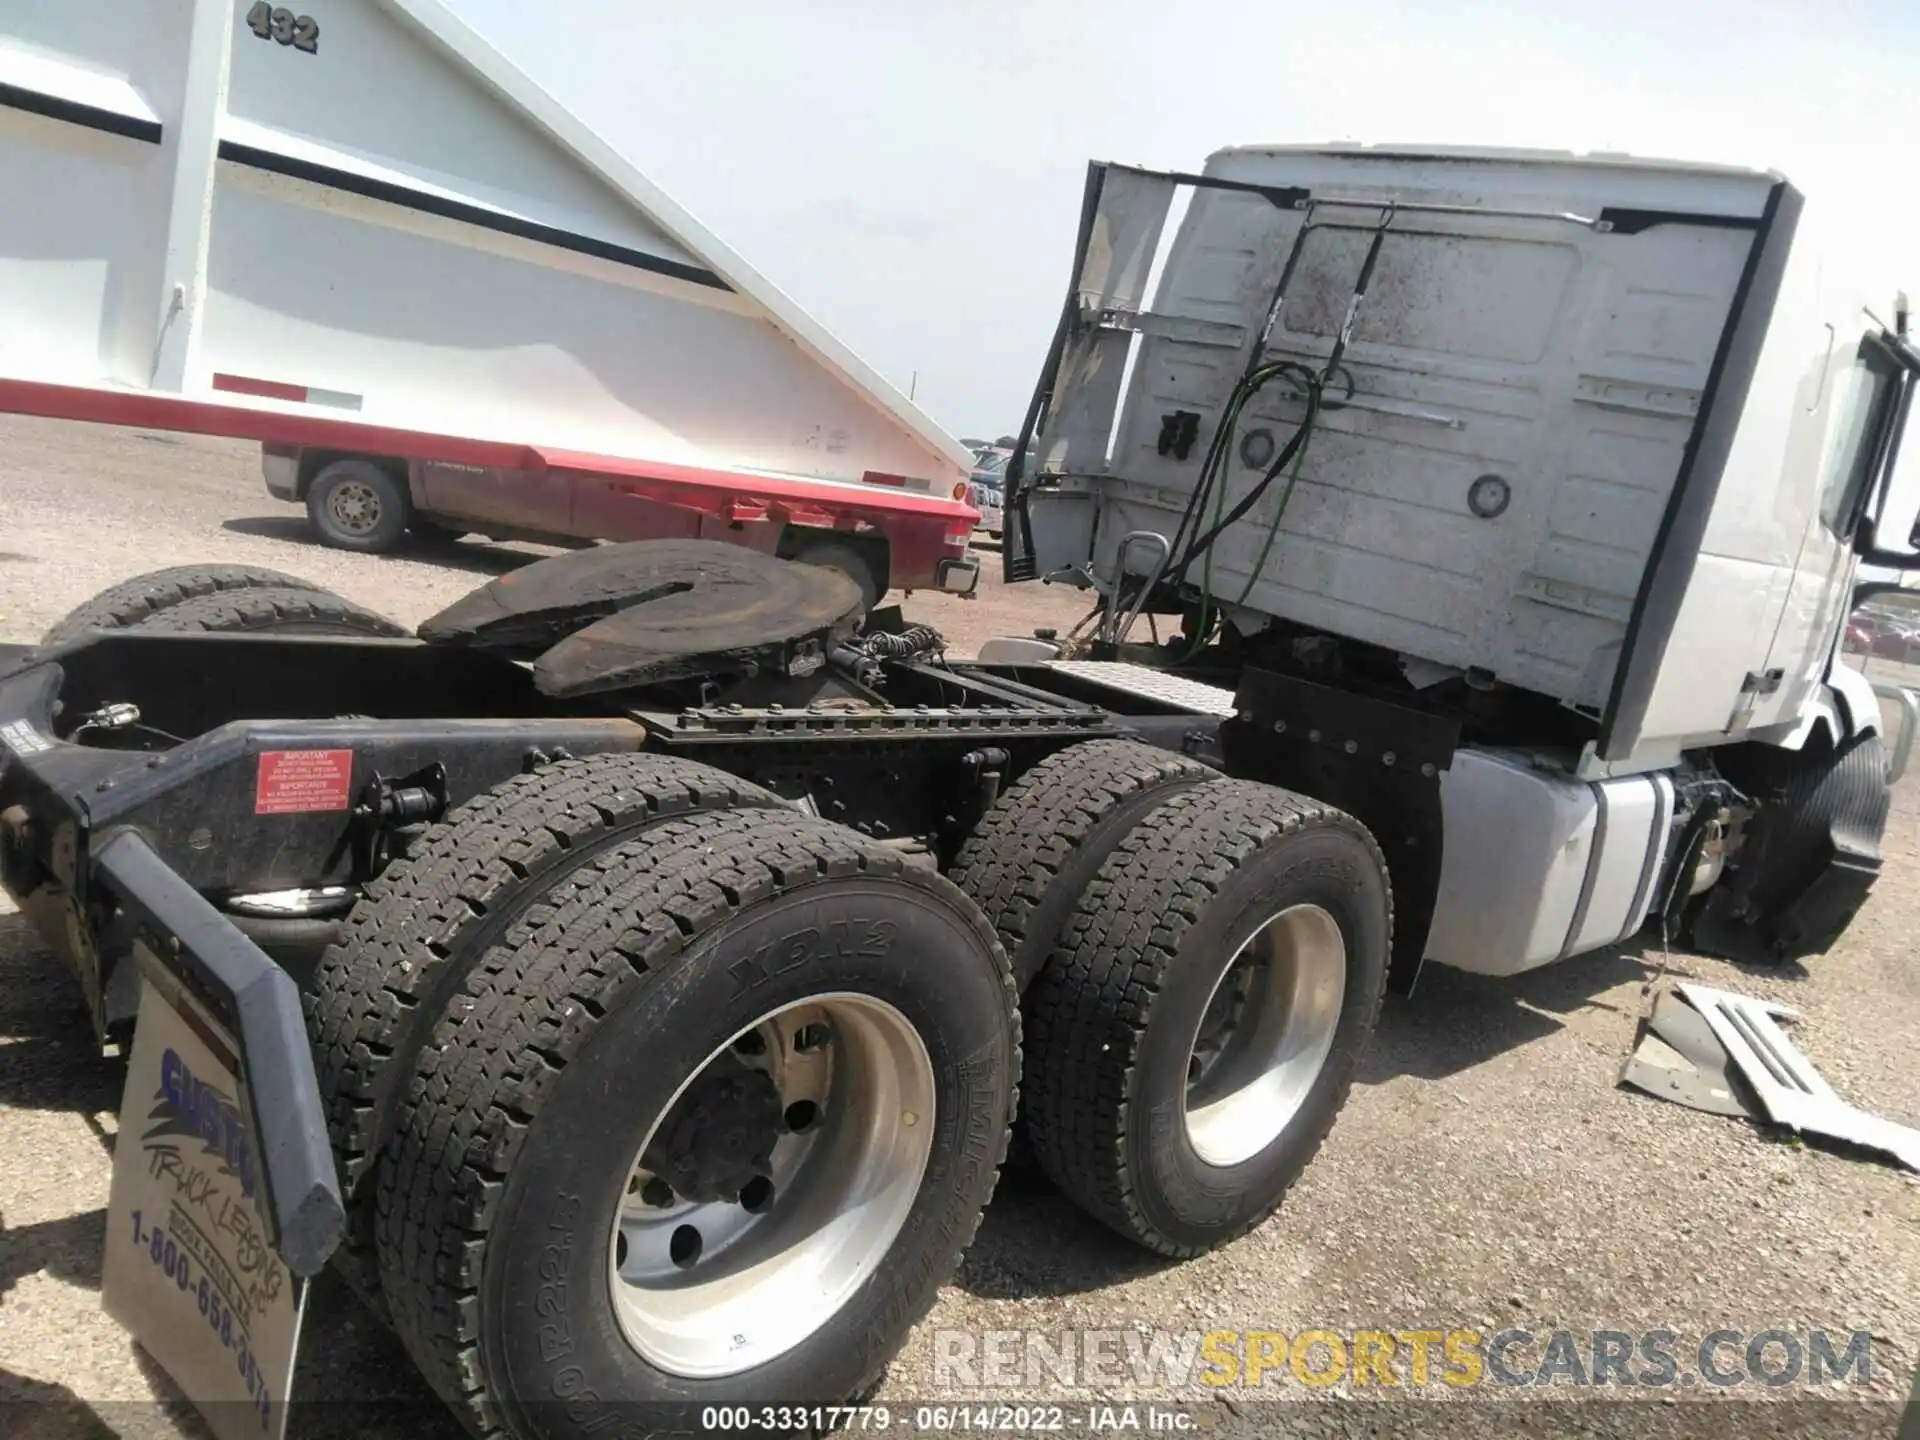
(946, 1419)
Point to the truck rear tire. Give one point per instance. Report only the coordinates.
(1033, 854)
(275, 611)
(422, 925)
(1198, 1028)
(134, 601)
(357, 504)
(1036, 850)
(698, 1047)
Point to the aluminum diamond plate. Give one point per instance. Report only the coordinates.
(1150, 684)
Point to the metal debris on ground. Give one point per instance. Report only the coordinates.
(1680, 1059)
(1724, 1054)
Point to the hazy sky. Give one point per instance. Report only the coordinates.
(910, 172)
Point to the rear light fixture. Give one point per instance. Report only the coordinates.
(960, 490)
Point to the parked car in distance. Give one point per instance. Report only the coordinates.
(889, 532)
(986, 487)
(1884, 631)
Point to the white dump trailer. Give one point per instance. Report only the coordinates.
(362, 235)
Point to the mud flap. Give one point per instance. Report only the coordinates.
(224, 1195)
(1811, 856)
(188, 1270)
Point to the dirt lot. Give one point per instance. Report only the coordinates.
(1487, 1173)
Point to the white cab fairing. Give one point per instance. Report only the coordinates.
(1587, 451)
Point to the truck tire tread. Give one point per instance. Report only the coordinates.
(534, 1002)
(1071, 807)
(134, 601)
(1104, 976)
(274, 608)
(377, 993)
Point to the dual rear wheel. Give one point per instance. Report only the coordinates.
(763, 1208)
(231, 598)
(1206, 960)
(650, 1092)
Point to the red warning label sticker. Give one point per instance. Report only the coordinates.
(295, 782)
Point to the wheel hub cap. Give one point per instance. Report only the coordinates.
(772, 1186)
(355, 506)
(720, 1136)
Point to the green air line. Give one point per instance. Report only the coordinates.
(1314, 390)
(1219, 458)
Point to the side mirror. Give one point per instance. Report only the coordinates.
(1883, 629)
(1893, 493)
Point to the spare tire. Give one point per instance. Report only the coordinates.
(276, 610)
(134, 601)
(849, 561)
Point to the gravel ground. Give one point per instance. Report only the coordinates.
(1487, 1172)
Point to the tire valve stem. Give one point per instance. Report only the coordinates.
(811, 1037)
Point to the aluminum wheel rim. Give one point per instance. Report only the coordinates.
(354, 506)
(1265, 1035)
(772, 1266)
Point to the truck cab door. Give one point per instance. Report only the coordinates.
(1860, 413)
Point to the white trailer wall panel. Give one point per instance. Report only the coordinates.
(396, 224)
